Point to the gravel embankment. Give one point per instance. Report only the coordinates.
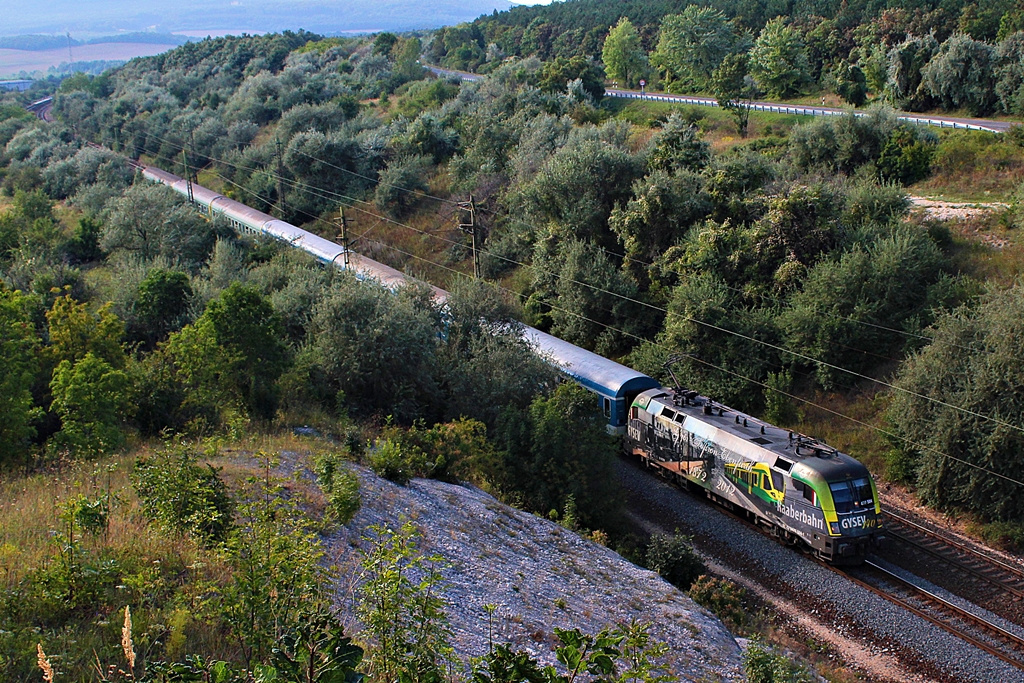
(855, 618)
(539, 575)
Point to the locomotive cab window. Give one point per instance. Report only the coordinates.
(607, 407)
(842, 496)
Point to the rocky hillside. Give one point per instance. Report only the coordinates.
(540, 576)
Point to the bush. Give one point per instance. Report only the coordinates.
(674, 560)
(183, 496)
(341, 486)
(722, 597)
(762, 665)
(396, 462)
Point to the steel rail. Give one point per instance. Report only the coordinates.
(1016, 641)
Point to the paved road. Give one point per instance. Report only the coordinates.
(804, 110)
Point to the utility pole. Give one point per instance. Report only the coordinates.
(471, 229)
(188, 176)
(344, 235)
(280, 177)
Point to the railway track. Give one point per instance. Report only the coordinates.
(972, 628)
(980, 577)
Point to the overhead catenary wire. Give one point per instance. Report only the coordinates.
(753, 381)
(667, 312)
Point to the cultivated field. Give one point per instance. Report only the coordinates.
(13, 61)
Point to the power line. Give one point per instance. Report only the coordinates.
(667, 313)
(709, 364)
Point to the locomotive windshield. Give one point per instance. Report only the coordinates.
(848, 495)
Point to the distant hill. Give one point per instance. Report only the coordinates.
(253, 16)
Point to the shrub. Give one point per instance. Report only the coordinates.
(341, 486)
(183, 496)
(722, 597)
(673, 558)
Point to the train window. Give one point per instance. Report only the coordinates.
(809, 494)
(607, 407)
(842, 496)
(633, 411)
(862, 494)
(666, 412)
(783, 464)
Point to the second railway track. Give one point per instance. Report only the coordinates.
(973, 628)
(982, 578)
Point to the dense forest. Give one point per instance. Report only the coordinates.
(954, 55)
(785, 269)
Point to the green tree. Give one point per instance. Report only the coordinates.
(556, 75)
(734, 89)
(948, 447)
(161, 305)
(358, 332)
(91, 397)
(19, 364)
(244, 325)
(401, 608)
(278, 575)
(851, 84)
(848, 302)
(906, 70)
(691, 45)
(674, 560)
(778, 59)
(678, 146)
(663, 208)
(150, 220)
(75, 332)
(184, 497)
(556, 450)
(623, 55)
(961, 75)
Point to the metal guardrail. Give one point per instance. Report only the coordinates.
(801, 110)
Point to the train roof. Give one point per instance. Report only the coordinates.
(589, 369)
(750, 437)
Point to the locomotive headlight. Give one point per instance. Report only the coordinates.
(833, 527)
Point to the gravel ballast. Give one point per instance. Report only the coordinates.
(848, 610)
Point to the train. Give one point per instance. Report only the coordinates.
(804, 491)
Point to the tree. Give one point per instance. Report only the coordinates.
(906, 70)
(150, 220)
(623, 55)
(402, 184)
(961, 75)
(359, 333)
(848, 302)
(558, 449)
(851, 84)
(734, 89)
(778, 60)
(91, 397)
(19, 363)
(556, 75)
(1009, 73)
(576, 189)
(161, 305)
(663, 208)
(244, 325)
(955, 448)
(691, 45)
(75, 332)
(678, 146)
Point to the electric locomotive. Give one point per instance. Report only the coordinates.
(805, 491)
